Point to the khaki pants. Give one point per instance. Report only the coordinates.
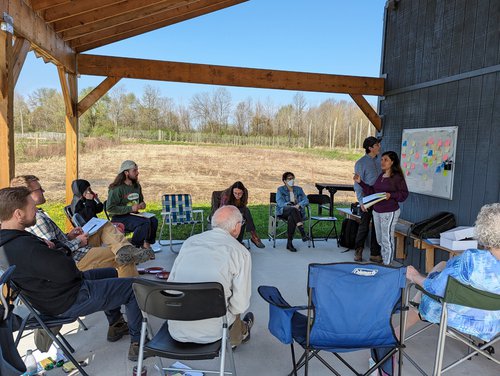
(105, 244)
(237, 331)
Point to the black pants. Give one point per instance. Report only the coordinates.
(363, 229)
(249, 223)
(293, 216)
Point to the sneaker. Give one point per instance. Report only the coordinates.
(358, 254)
(133, 352)
(117, 330)
(248, 320)
(130, 254)
(377, 259)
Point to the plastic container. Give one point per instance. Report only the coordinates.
(30, 363)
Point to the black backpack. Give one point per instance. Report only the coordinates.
(348, 233)
(433, 226)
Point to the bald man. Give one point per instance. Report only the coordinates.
(217, 256)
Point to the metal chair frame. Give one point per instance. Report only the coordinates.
(322, 201)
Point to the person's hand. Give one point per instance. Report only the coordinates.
(89, 195)
(142, 206)
(84, 239)
(363, 208)
(135, 208)
(74, 233)
(387, 195)
(357, 178)
(49, 243)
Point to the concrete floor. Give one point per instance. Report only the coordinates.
(264, 354)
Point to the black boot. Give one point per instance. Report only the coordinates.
(290, 247)
(303, 233)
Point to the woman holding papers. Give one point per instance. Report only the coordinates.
(391, 183)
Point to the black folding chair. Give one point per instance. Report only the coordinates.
(75, 219)
(321, 201)
(184, 302)
(35, 320)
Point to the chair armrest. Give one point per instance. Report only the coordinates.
(437, 298)
(280, 313)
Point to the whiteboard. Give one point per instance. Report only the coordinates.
(428, 160)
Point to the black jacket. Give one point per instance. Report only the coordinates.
(48, 277)
(86, 208)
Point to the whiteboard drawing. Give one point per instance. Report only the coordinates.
(428, 160)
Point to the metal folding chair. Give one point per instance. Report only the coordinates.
(321, 201)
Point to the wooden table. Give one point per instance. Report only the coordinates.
(333, 188)
(401, 235)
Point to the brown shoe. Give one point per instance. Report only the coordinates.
(358, 254)
(377, 259)
(117, 330)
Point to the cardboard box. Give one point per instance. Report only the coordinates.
(458, 245)
(458, 233)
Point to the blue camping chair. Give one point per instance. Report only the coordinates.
(340, 298)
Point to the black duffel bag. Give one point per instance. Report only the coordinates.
(432, 227)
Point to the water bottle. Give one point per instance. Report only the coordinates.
(30, 362)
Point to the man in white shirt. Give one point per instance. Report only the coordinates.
(216, 256)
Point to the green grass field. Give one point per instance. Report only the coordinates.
(260, 215)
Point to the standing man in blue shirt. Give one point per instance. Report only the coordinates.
(368, 168)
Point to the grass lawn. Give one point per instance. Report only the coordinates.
(260, 215)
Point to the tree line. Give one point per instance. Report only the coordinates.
(330, 124)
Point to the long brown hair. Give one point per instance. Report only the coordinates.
(231, 199)
(120, 180)
(396, 164)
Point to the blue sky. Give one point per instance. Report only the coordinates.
(320, 36)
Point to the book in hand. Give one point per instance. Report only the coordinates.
(144, 214)
(371, 200)
(92, 226)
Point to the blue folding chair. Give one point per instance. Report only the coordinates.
(349, 308)
(178, 210)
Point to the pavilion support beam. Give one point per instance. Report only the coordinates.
(20, 51)
(109, 66)
(70, 94)
(96, 94)
(368, 110)
(7, 156)
(29, 25)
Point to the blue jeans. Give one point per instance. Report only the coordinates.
(144, 229)
(101, 290)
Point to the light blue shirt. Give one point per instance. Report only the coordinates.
(368, 169)
(476, 268)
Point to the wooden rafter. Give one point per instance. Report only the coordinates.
(105, 16)
(29, 25)
(368, 110)
(109, 66)
(38, 5)
(96, 94)
(144, 25)
(20, 51)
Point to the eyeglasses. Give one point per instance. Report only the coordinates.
(38, 189)
(243, 221)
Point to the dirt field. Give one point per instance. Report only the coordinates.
(195, 169)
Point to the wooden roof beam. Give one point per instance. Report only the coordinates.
(30, 26)
(77, 7)
(38, 5)
(109, 66)
(144, 25)
(368, 110)
(102, 15)
(96, 94)
(19, 53)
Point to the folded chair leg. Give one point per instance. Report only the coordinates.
(82, 324)
(66, 343)
(293, 360)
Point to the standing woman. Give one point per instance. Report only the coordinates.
(237, 195)
(386, 212)
(290, 203)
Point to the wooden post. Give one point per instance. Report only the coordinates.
(70, 94)
(7, 156)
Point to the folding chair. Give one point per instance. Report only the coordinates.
(185, 302)
(467, 296)
(75, 218)
(35, 320)
(321, 201)
(339, 297)
(178, 210)
(11, 363)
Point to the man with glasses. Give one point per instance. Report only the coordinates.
(217, 256)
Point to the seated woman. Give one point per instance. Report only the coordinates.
(86, 203)
(290, 203)
(237, 195)
(477, 268)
